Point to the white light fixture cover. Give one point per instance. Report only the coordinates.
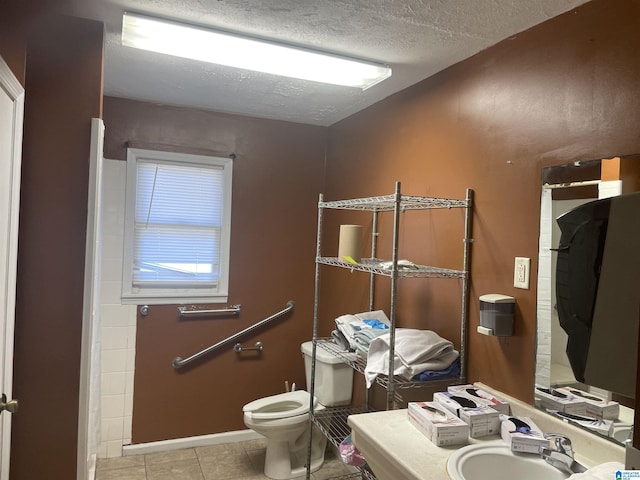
(198, 43)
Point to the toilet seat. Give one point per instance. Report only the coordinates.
(282, 405)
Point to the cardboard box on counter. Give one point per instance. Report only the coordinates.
(438, 424)
(480, 396)
(551, 399)
(603, 427)
(595, 406)
(482, 420)
(522, 435)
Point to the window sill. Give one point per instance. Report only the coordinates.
(172, 299)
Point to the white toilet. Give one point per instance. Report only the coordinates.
(284, 418)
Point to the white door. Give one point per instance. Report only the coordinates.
(11, 111)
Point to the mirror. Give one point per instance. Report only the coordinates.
(564, 187)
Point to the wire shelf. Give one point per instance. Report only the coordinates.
(359, 363)
(388, 202)
(364, 473)
(375, 265)
(332, 422)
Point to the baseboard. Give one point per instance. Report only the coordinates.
(91, 467)
(189, 442)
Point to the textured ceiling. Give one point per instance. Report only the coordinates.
(417, 38)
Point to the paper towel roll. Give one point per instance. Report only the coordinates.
(350, 243)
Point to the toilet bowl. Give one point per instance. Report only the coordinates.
(284, 420)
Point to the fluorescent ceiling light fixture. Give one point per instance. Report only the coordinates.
(207, 45)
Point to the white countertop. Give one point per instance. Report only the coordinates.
(389, 436)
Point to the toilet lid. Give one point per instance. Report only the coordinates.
(283, 405)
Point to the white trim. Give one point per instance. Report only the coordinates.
(90, 371)
(609, 188)
(10, 84)
(584, 183)
(190, 442)
(543, 300)
(91, 467)
(166, 299)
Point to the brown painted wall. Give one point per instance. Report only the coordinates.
(277, 176)
(565, 90)
(63, 92)
(12, 50)
(630, 174)
(17, 19)
(13, 40)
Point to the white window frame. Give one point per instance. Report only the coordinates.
(132, 295)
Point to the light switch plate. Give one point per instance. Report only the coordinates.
(521, 272)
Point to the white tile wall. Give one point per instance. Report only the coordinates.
(543, 352)
(118, 321)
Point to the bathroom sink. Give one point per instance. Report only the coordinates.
(496, 461)
(621, 433)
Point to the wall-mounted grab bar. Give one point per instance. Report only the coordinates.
(179, 362)
(239, 348)
(184, 311)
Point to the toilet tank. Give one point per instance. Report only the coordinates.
(334, 378)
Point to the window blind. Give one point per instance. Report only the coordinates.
(178, 222)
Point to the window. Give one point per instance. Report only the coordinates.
(178, 218)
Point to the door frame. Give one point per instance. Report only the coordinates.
(90, 371)
(15, 91)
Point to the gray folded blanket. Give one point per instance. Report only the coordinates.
(341, 340)
(364, 337)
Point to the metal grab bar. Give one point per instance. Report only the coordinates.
(235, 309)
(179, 362)
(239, 348)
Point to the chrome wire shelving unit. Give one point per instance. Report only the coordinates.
(332, 422)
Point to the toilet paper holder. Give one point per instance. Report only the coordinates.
(239, 348)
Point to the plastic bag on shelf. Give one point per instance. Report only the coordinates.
(350, 454)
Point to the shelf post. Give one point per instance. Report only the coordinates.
(314, 336)
(394, 291)
(374, 248)
(466, 261)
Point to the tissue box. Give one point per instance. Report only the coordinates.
(562, 402)
(482, 420)
(481, 396)
(522, 441)
(440, 426)
(595, 406)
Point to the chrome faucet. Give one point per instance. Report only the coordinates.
(561, 454)
(629, 441)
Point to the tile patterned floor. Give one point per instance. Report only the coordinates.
(237, 461)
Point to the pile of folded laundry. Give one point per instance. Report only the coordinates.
(355, 332)
(420, 355)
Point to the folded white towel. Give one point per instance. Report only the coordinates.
(415, 352)
(349, 324)
(604, 471)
